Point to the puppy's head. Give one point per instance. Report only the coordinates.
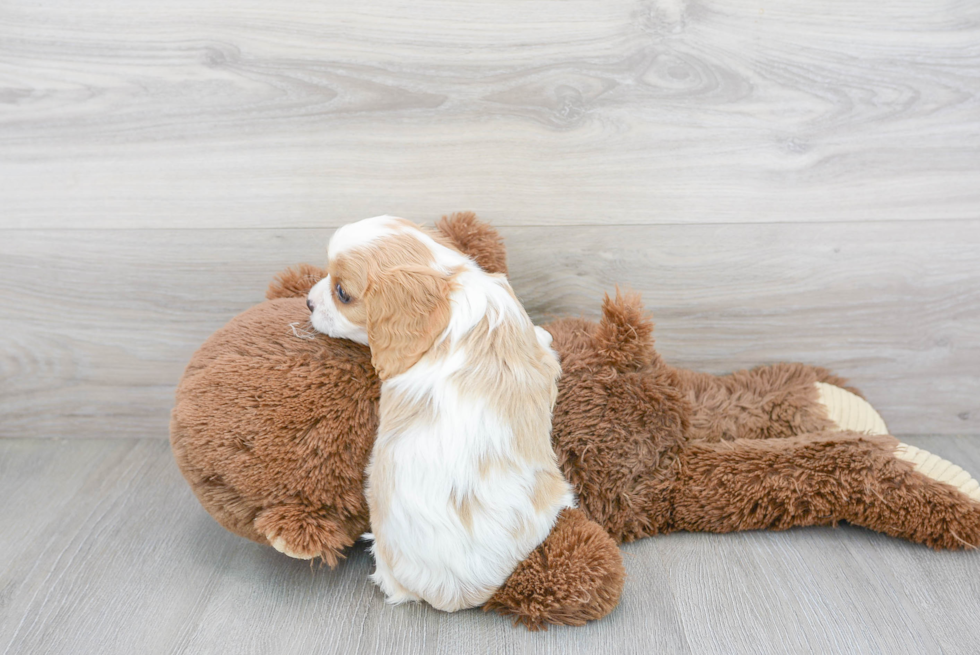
(388, 286)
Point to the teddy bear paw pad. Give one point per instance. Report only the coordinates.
(939, 469)
(280, 544)
(850, 411)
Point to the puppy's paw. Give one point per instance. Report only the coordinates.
(395, 593)
(544, 337)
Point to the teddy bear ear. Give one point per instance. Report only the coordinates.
(477, 239)
(625, 333)
(294, 282)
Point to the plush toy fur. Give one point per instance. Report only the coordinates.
(274, 424)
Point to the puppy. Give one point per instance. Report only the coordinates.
(463, 483)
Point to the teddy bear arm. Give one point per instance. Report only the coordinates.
(822, 478)
(306, 532)
(576, 575)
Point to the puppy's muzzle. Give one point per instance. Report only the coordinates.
(309, 303)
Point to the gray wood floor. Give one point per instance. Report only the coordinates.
(105, 550)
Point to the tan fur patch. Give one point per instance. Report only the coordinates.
(521, 529)
(507, 348)
(490, 464)
(400, 413)
(548, 488)
(380, 485)
(465, 505)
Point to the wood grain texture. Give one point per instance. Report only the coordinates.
(300, 113)
(98, 325)
(782, 181)
(106, 550)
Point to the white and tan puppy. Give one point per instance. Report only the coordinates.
(463, 482)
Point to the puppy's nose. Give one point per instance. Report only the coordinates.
(309, 303)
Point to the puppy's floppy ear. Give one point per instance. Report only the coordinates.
(407, 308)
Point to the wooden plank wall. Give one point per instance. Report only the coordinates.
(791, 180)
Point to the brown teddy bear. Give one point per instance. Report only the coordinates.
(274, 424)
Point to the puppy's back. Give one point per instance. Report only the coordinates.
(464, 482)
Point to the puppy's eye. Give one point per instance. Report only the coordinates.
(342, 295)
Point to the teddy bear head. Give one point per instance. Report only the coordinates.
(274, 422)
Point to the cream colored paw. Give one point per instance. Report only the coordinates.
(937, 468)
(849, 411)
(280, 544)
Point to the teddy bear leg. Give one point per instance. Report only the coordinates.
(820, 479)
(782, 400)
(929, 500)
(849, 411)
(305, 533)
(853, 414)
(939, 469)
(576, 575)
